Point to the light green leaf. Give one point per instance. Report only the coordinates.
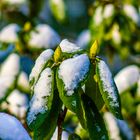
(108, 88)
(58, 9)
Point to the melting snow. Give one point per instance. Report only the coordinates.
(72, 71)
(68, 47)
(44, 37)
(11, 128)
(42, 90)
(9, 33)
(127, 78)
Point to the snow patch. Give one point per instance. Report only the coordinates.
(11, 128)
(68, 47)
(42, 90)
(9, 33)
(43, 37)
(72, 71)
(127, 78)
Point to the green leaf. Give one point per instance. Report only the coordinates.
(92, 89)
(108, 88)
(41, 102)
(94, 121)
(46, 130)
(74, 137)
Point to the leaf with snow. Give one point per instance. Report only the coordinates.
(108, 88)
(9, 33)
(111, 126)
(43, 37)
(41, 102)
(70, 76)
(13, 61)
(94, 121)
(16, 103)
(11, 128)
(127, 78)
(50, 123)
(40, 64)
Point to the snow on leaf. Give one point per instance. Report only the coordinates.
(68, 47)
(42, 91)
(73, 71)
(127, 78)
(40, 63)
(11, 128)
(43, 37)
(9, 33)
(108, 88)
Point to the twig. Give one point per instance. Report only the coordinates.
(60, 121)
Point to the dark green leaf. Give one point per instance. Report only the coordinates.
(95, 123)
